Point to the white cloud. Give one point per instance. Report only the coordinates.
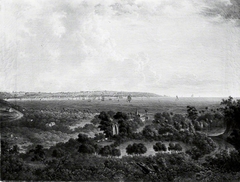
(130, 45)
(55, 20)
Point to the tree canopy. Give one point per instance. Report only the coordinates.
(136, 148)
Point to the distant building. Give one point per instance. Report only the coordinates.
(51, 124)
(137, 113)
(9, 109)
(115, 129)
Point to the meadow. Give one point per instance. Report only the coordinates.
(153, 105)
(77, 113)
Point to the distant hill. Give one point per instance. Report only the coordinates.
(4, 95)
(5, 104)
(22, 95)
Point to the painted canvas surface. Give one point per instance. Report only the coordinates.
(120, 90)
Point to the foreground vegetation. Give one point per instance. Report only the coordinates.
(89, 158)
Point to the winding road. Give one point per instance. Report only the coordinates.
(14, 115)
(18, 116)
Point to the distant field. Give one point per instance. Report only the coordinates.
(26, 137)
(152, 105)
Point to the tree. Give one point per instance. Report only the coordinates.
(158, 118)
(171, 146)
(234, 139)
(116, 152)
(194, 152)
(167, 117)
(124, 127)
(14, 168)
(82, 138)
(104, 116)
(129, 98)
(192, 112)
(178, 118)
(120, 115)
(86, 149)
(105, 124)
(149, 132)
(57, 153)
(136, 148)
(111, 113)
(15, 149)
(96, 120)
(159, 146)
(5, 148)
(39, 153)
(99, 136)
(106, 151)
(231, 113)
(141, 149)
(178, 147)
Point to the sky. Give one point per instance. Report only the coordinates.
(166, 47)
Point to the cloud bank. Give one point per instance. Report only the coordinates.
(166, 47)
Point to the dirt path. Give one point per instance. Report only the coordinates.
(203, 159)
(221, 145)
(18, 115)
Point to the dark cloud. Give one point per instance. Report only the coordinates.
(229, 11)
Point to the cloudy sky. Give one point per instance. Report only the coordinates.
(166, 47)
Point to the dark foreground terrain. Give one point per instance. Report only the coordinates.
(146, 139)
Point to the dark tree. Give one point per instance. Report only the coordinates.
(171, 146)
(178, 118)
(121, 115)
(231, 113)
(39, 153)
(192, 112)
(136, 148)
(234, 139)
(158, 118)
(159, 146)
(116, 152)
(5, 148)
(167, 117)
(149, 132)
(232, 119)
(82, 138)
(86, 149)
(57, 153)
(105, 124)
(111, 113)
(194, 152)
(15, 149)
(106, 151)
(104, 116)
(124, 128)
(129, 98)
(178, 147)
